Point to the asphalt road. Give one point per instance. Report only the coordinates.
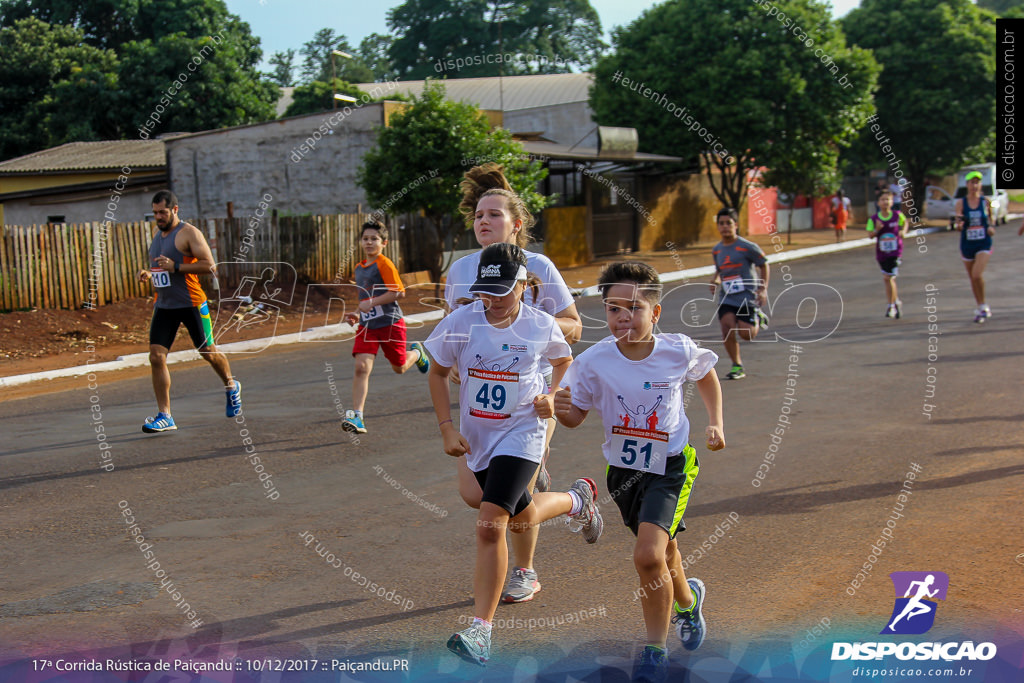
(858, 413)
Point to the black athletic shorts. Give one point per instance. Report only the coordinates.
(506, 482)
(655, 498)
(196, 319)
(890, 266)
(744, 312)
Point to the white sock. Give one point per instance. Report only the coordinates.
(577, 503)
(485, 625)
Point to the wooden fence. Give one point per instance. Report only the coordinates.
(72, 266)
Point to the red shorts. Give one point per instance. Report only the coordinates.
(390, 339)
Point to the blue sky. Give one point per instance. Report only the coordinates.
(283, 24)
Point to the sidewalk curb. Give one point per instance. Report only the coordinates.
(331, 331)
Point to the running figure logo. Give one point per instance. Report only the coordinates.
(636, 418)
(495, 366)
(917, 592)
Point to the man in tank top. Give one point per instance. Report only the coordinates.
(178, 254)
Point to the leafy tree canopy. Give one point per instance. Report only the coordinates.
(474, 38)
(78, 70)
(936, 96)
(723, 81)
(422, 154)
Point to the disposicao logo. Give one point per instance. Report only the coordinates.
(913, 613)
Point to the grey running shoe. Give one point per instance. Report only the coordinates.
(589, 519)
(690, 623)
(522, 586)
(472, 644)
(543, 479)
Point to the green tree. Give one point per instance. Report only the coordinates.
(316, 64)
(146, 47)
(310, 98)
(751, 88)
(473, 38)
(109, 24)
(223, 89)
(1000, 7)
(283, 72)
(53, 87)
(802, 167)
(373, 52)
(957, 99)
(420, 158)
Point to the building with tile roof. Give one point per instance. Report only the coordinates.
(79, 181)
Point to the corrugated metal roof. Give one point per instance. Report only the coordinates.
(508, 93)
(85, 156)
(558, 151)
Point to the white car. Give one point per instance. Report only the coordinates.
(940, 205)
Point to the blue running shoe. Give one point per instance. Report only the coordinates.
(651, 666)
(423, 362)
(690, 623)
(234, 407)
(353, 423)
(161, 423)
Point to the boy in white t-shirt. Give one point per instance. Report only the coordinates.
(498, 343)
(635, 379)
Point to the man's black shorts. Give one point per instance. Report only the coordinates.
(164, 326)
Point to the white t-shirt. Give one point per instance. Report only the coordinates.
(501, 375)
(553, 298)
(641, 402)
(846, 203)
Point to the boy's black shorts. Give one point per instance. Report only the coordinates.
(745, 312)
(506, 482)
(656, 498)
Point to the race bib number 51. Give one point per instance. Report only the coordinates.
(161, 278)
(493, 394)
(639, 449)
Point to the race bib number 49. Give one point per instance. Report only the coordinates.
(639, 449)
(161, 278)
(493, 394)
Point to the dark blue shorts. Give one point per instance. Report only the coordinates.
(971, 248)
